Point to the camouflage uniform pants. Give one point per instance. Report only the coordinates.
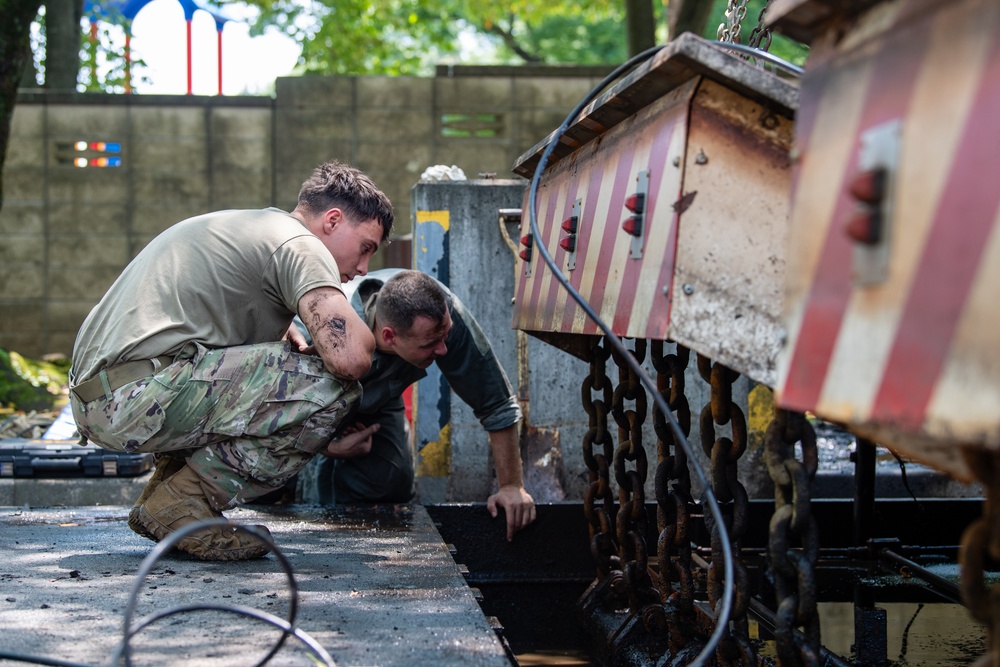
(250, 416)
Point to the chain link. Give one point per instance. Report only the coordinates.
(672, 483)
(760, 37)
(724, 453)
(632, 520)
(793, 570)
(598, 501)
(729, 31)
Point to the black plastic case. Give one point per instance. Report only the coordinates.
(22, 457)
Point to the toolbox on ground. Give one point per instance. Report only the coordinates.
(23, 457)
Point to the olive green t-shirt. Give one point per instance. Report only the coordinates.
(221, 279)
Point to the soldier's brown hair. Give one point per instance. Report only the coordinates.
(408, 295)
(337, 185)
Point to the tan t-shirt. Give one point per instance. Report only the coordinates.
(222, 279)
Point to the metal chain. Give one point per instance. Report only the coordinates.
(980, 545)
(631, 520)
(760, 37)
(793, 570)
(736, 11)
(598, 501)
(672, 483)
(735, 649)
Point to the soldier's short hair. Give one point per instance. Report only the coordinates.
(337, 185)
(408, 295)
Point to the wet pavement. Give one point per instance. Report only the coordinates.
(375, 587)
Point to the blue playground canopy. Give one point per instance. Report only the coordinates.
(113, 10)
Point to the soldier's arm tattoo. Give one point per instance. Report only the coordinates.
(339, 335)
(333, 331)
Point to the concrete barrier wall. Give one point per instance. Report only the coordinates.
(67, 232)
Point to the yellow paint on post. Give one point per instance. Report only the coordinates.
(760, 414)
(435, 457)
(443, 218)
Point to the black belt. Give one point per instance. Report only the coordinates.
(118, 376)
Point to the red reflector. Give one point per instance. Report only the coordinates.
(868, 186)
(525, 254)
(633, 225)
(569, 225)
(527, 240)
(863, 226)
(635, 202)
(568, 243)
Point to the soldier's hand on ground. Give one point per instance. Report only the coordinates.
(353, 441)
(518, 505)
(298, 341)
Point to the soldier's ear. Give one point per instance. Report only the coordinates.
(389, 336)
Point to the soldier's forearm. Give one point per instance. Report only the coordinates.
(507, 456)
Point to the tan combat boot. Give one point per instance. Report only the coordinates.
(179, 501)
(166, 466)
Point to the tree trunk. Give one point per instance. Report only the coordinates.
(640, 26)
(62, 43)
(15, 53)
(688, 16)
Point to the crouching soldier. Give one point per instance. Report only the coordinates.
(187, 355)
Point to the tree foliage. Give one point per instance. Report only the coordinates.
(411, 36)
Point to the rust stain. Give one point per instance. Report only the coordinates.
(684, 202)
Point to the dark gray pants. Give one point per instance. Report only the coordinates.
(385, 475)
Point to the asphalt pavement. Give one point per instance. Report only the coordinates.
(368, 586)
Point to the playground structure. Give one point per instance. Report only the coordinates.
(123, 12)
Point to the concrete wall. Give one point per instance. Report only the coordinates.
(67, 232)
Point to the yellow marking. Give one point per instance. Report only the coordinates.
(435, 457)
(442, 218)
(761, 404)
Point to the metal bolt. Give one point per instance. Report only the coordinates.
(688, 289)
(701, 158)
(677, 161)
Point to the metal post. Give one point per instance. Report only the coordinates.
(870, 622)
(864, 490)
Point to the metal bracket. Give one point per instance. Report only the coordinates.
(642, 187)
(578, 214)
(879, 150)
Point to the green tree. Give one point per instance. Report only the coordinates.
(411, 36)
(63, 38)
(15, 57)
